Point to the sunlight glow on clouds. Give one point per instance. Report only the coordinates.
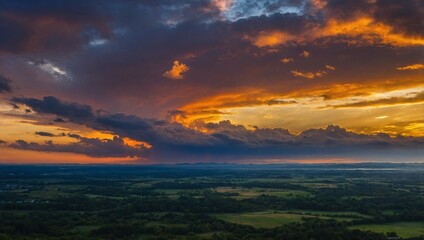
(412, 67)
(177, 70)
(359, 31)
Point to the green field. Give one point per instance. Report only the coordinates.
(243, 193)
(269, 219)
(403, 229)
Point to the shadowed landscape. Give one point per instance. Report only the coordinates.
(212, 201)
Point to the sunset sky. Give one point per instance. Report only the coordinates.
(243, 81)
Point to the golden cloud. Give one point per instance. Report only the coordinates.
(176, 71)
(309, 75)
(395, 100)
(271, 38)
(363, 30)
(412, 67)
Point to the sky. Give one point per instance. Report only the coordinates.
(239, 81)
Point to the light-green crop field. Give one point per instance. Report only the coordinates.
(403, 229)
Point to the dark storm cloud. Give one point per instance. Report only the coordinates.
(5, 85)
(58, 120)
(60, 26)
(92, 147)
(174, 142)
(405, 16)
(73, 111)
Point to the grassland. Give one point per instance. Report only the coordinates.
(403, 229)
(271, 219)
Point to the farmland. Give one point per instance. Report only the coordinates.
(212, 201)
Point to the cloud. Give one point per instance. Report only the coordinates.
(73, 111)
(223, 5)
(45, 134)
(5, 85)
(117, 51)
(412, 67)
(172, 141)
(92, 147)
(412, 98)
(287, 60)
(305, 54)
(271, 38)
(50, 68)
(177, 70)
(309, 75)
(330, 67)
(2, 142)
(58, 120)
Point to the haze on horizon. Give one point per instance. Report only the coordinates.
(239, 81)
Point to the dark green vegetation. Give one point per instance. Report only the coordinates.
(210, 201)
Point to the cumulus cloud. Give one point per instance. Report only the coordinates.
(177, 70)
(412, 67)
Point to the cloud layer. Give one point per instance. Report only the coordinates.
(172, 141)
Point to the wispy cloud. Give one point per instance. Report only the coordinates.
(411, 67)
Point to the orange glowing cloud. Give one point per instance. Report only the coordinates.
(222, 5)
(412, 67)
(287, 60)
(270, 38)
(309, 75)
(177, 70)
(369, 31)
(363, 30)
(136, 144)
